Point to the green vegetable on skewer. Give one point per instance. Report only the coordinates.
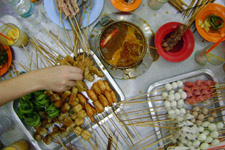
(34, 119)
(25, 106)
(41, 101)
(52, 111)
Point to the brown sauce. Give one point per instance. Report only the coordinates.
(126, 48)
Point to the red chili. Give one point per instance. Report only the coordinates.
(105, 41)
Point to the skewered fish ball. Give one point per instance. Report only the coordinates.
(174, 104)
(215, 142)
(177, 96)
(219, 125)
(180, 103)
(171, 97)
(204, 146)
(212, 127)
(201, 117)
(78, 130)
(195, 113)
(171, 112)
(174, 85)
(180, 90)
(210, 119)
(86, 135)
(199, 122)
(214, 114)
(200, 129)
(205, 111)
(206, 132)
(209, 139)
(183, 95)
(214, 134)
(180, 83)
(196, 108)
(167, 104)
(168, 87)
(79, 121)
(177, 112)
(182, 111)
(164, 94)
(196, 143)
(171, 92)
(201, 137)
(193, 120)
(205, 124)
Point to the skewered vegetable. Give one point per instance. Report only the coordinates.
(33, 120)
(52, 111)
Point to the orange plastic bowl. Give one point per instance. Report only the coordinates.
(7, 65)
(182, 50)
(123, 6)
(211, 9)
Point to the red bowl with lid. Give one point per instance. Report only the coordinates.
(182, 50)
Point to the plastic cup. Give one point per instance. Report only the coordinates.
(17, 36)
(215, 57)
(156, 4)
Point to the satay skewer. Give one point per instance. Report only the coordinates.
(149, 122)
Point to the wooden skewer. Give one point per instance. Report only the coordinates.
(61, 143)
(108, 131)
(25, 68)
(204, 106)
(116, 128)
(162, 139)
(79, 138)
(148, 122)
(126, 129)
(67, 36)
(140, 102)
(103, 146)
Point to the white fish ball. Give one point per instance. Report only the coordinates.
(215, 142)
(200, 128)
(180, 103)
(201, 137)
(212, 127)
(209, 139)
(171, 97)
(177, 111)
(214, 134)
(164, 94)
(174, 85)
(172, 116)
(179, 83)
(182, 111)
(179, 118)
(174, 104)
(171, 92)
(206, 132)
(204, 146)
(177, 96)
(196, 143)
(171, 112)
(168, 87)
(167, 104)
(183, 95)
(180, 90)
(205, 124)
(219, 125)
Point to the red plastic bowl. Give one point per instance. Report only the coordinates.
(182, 50)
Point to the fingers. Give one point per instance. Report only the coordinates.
(75, 76)
(71, 83)
(73, 69)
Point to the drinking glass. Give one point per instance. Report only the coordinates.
(214, 57)
(16, 37)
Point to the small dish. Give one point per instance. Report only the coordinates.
(123, 6)
(7, 65)
(53, 14)
(182, 50)
(211, 9)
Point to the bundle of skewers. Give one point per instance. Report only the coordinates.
(177, 122)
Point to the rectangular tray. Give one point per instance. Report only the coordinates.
(29, 131)
(204, 74)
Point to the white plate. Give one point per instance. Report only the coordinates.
(53, 14)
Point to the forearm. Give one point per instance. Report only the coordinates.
(17, 87)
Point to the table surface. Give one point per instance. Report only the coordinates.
(159, 70)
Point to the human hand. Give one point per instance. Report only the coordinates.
(58, 78)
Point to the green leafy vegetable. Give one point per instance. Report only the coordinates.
(216, 22)
(34, 119)
(52, 111)
(25, 106)
(41, 101)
